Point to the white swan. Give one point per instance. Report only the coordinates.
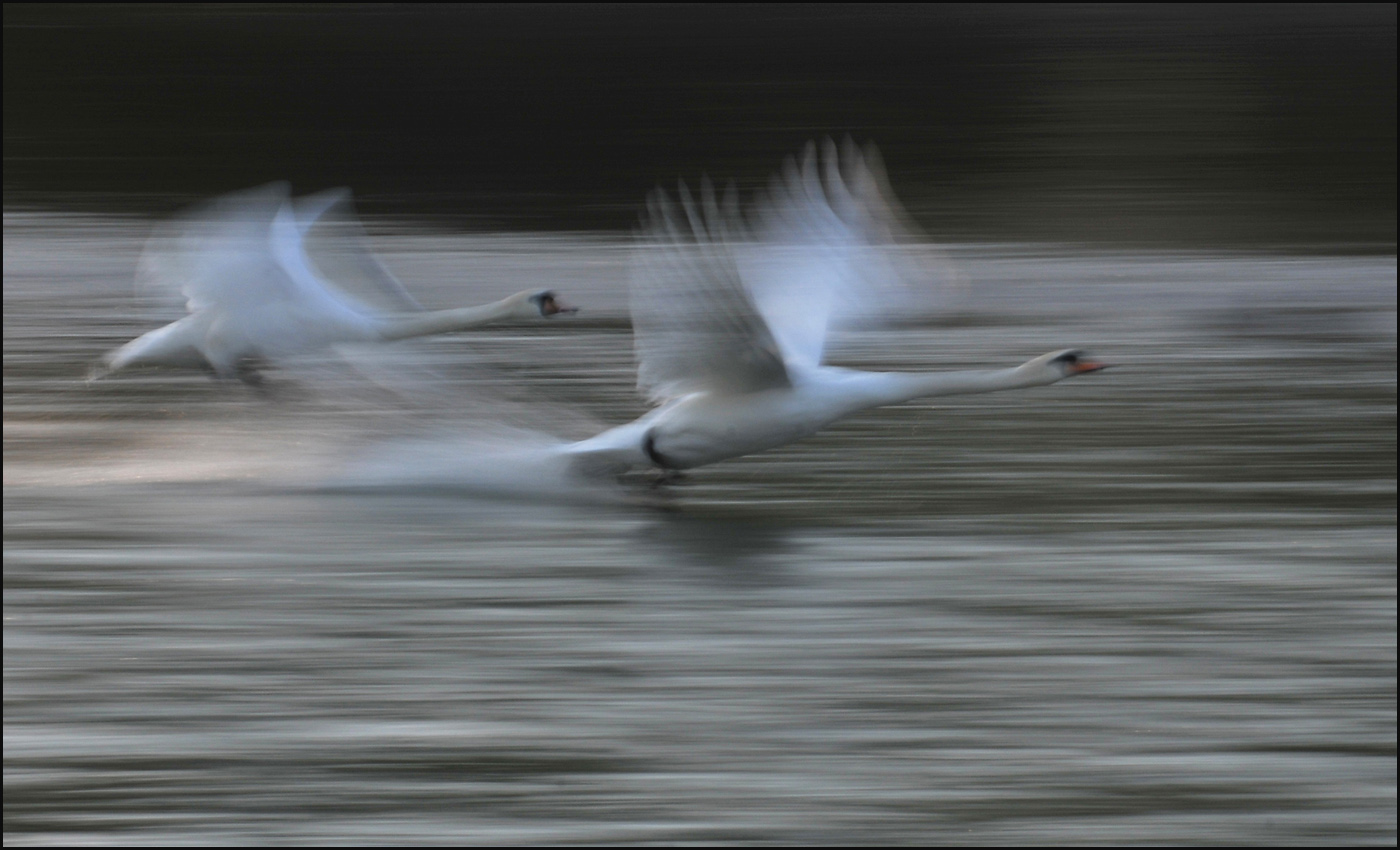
(729, 326)
(265, 277)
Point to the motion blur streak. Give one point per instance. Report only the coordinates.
(1159, 605)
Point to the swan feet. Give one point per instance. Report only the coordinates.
(667, 477)
(248, 371)
(653, 480)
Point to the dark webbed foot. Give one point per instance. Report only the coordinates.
(250, 375)
(667, 477)
(248, 371)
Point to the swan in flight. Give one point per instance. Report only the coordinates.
(266, 277)
(730, 319)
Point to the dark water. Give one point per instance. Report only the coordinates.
(1151, 605)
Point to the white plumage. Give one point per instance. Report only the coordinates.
(265, 277)
(731, 318)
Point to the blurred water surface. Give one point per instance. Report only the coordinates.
(1155, 604)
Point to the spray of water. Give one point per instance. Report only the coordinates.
(501, 462)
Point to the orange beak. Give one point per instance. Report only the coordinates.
(1085, 366)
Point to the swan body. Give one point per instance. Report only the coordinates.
(737, 369)
(265, 278)
(707, 427)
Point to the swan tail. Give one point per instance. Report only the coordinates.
(609, 454)
(593, 465)
(174, 345)
(98, 369)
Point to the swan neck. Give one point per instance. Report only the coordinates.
(446, 321)
(895, 387)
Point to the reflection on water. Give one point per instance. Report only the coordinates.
(1159, 605)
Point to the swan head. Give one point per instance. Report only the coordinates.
(1058, 365)
(543, 304)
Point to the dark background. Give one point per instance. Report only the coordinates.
(1235, 125)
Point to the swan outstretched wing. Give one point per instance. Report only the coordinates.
(833, 246)
(694, 322)
(317, 302)
(250, 249)
(217, 254)
(338, 249)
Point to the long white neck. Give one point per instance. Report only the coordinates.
(447, 321)
(865, 390)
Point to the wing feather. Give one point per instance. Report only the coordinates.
(217, 254)
(834, 246)
(695, 325)
(336, 244)
(257, 247)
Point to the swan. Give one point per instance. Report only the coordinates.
(266, 277)
(730, 321)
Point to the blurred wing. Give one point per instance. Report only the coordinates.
(834, 247)
(903, 271)
(323, 305)
(799, 262)
(217, 254)
(694, 324)
(339, 251)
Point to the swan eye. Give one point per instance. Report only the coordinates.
(1069, 358)
(545, 302)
